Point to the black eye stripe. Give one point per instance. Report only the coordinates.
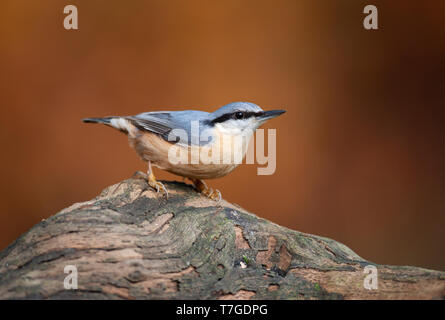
(238, 115)
(232, 115)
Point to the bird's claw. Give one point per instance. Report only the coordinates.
(216, 195)
(212, 194)
(158, 186)
(208, 192)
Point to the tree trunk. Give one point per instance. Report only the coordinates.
(132, 243)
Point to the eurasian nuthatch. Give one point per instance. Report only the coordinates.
(154, 136)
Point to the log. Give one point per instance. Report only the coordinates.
(132, 243)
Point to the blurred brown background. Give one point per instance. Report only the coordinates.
(360, 150)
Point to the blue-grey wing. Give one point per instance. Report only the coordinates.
(155, 122)
(164, 122)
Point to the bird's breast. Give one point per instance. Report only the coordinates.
(213, 160)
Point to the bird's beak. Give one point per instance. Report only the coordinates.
(270, 114)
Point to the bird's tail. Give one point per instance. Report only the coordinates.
(119, 123)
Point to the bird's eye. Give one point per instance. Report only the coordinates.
(238, 115)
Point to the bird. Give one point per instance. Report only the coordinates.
(159, 136)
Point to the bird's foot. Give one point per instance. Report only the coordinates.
(155, 184)
(208, 192)
(158, 186)
(212, 194)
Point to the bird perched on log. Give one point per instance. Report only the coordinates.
(182, 142)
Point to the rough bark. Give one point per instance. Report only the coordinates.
(131, 243)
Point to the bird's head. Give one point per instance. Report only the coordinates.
(239, 117)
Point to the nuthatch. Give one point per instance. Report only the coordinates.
(153, 134)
